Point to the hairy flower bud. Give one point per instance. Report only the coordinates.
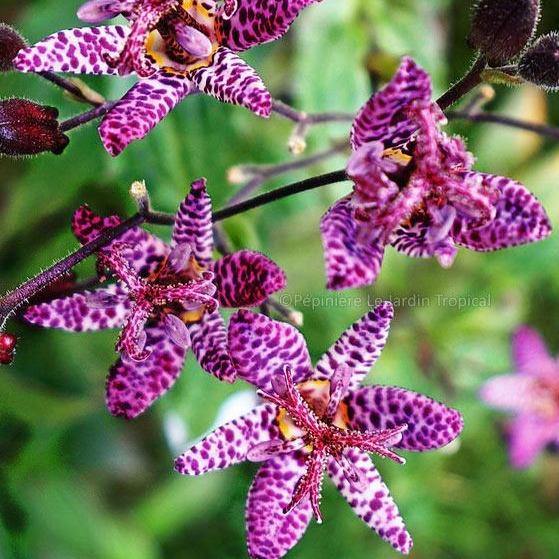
(502, 28)
(27, 128)
(8, 344)
(10, 44)
(540, 63)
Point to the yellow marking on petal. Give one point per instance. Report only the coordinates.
(397, 156)
(317, 394)
(193, 316)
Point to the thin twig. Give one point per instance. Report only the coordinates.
(86, 117)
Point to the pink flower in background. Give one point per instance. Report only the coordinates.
(532, 394)
(175, 47)
(316, 419)
(165, 300)
(414, 189)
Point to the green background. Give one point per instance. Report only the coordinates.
(76, 483)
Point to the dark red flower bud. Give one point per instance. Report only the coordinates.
(540, 63)
(10, 43)
(27, 128)
(8, 344)
(501, 29)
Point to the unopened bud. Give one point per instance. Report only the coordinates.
(140, 194)
(540, 63)
(10, 44)
(8, 344)
(502, 28)
(27, 128)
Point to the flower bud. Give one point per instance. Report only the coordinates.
(8, 344)
(540, 63)
(502, 28)
(10, 44)
(27, 128)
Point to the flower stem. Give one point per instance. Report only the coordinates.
(70, 87)
(465, 85)
(86, 117)
(541, 129)
(14, 299)
(299, 117)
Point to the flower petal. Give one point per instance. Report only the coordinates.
(260, 348)
(512, 392)
(529, 352)
(133, 386)
(358, 347)
(270, 532)
(384, 116)
(78, 50)
(374, 506)
(246, 279)
(230, 443)
(350, 261)
(520, 219)
(209, 344)
(231, 80)
(143, 250)
(413, 240)
(430, 424)
(76, 313)
(255, 22)
(529, 435)
(193, 223)
(142, 108)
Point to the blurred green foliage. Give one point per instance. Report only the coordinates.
(76, 483)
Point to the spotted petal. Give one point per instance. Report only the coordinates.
(270, 532)
(230, 443)
(260, 347)
(231, 80)
(520, 219)
(384, 117)
(209, 344)
(141, 249)
(142, 108)
(255, 22)
(78, 313)
(132, 386)
(79, 51)
(246, 279)
(350, 261)
(430, 424)
(359, 346)
(374, 505)
(529, 435)
(193, 223)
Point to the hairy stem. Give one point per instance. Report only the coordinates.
(14, 299)
(463, 86)
(88, 116)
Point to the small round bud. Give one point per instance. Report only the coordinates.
(11, 42)
(502, 28)
(27, 128)
(8, 344)
(540, 63)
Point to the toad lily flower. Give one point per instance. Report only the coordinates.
(318, 419)
(414, 188)
(532, 393)
(175, 47)
(164, 301)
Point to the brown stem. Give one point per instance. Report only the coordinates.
(464, 86)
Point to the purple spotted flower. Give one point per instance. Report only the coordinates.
(532, 394)
(317, 419)
(414, 188)
(165, 299)
(175, 47)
